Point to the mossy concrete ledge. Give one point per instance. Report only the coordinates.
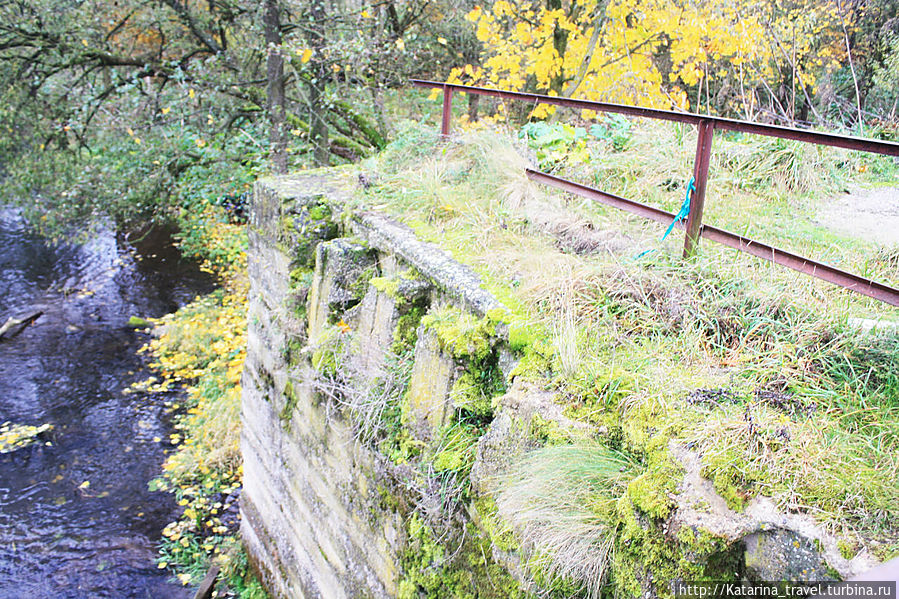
(336, 428)
(390, 441)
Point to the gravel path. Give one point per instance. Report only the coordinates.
(870, 214)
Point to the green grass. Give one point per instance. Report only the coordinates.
(754, 364)
(560, 500)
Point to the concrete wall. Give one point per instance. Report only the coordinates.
(324, 514)
(367, 349)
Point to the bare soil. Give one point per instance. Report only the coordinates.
(869, 214)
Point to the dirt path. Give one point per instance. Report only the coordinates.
(870, 214)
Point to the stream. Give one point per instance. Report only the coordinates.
(76, 516)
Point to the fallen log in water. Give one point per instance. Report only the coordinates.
(208, 585)
(14, 326)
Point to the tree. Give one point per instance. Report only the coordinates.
(755, 60)
(109, 106)
(275, 89)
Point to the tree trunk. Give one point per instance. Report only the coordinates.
(275, 86)
(318, 135)
(473, 100)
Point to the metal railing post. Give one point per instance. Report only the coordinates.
(700, 179)
(447, 110)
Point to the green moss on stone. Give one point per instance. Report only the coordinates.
(359, 286)
(405, 334)
(552, 585)
(468, 394)
(547, 432)
(319, 212)
(651, 492)
(387, 285)
(293, 351)
(489, 521)
(461, 334)
(456, 451)
(521, 336)
(535, 363)
(291, 399)
(136, 322)
(648, 558)
(324, 355)
(846, 549)
(301, 277)
(432, 571)
(303, 229)
(733, 476)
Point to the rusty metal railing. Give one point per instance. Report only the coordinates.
(694, 226)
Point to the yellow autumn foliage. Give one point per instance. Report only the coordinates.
(201, 348)
(671, 54)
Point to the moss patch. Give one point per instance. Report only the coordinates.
(461, 334)
(432, 571)
(647, 559)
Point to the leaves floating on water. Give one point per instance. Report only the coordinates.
(16, 436)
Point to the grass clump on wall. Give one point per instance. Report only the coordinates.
(560, 501)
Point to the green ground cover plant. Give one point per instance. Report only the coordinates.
(758, 369)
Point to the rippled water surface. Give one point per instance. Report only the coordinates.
(68, 369)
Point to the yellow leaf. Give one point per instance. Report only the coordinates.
(191, 93)
(401, 44)
(85, 484)
(306, 56)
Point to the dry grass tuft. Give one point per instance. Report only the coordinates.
(558, 499)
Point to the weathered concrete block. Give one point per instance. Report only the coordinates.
(381, 312)
(320, 508)
(428, 402)
(456, 280)
(783, 555)
(777, 545)
(342, 271)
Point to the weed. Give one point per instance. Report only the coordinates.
(560, 502)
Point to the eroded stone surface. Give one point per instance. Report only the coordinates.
(778, 546)
(455, 279)
(428, 397)
(322, 511)
(339, 281)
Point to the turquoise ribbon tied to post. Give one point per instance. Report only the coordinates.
(681, 215)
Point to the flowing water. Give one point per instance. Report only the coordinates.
(76, 516)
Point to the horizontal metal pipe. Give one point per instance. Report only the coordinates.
(660, 216)
(827, 139)
(807, 266)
